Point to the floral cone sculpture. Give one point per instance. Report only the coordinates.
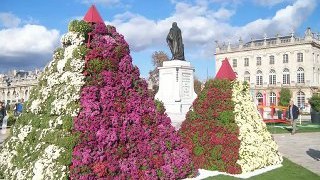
(225, 132)
(122, 135)
(91, 117)
(41, 142)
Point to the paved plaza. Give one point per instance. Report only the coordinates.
(301, 148)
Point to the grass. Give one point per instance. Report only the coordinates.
(281, 128)
(289, 170)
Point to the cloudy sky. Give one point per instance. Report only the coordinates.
(31, 30)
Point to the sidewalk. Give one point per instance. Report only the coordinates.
(301, 148)
(4, 133)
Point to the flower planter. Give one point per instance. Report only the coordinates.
(315, 117)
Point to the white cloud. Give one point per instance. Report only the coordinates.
(201, 26)
(269, 2)
(223, 14)
(8, 20)
(29, 39)
(283, 22)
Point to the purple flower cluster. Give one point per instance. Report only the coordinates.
(122, 135)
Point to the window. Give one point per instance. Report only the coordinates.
(300, 57)
(246, 61)
(286, 76)
(258, 61)
(272, 77)
(272, 98)
(234, 63)
(271, 59)
(247, 76)
(301, 99)
(259, 98)
(285, 58)
(300, 75)
(259, 78)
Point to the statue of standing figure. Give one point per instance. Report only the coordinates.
(174, 40)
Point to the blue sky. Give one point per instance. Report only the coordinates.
(31, 30)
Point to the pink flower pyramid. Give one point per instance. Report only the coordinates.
(121, 133)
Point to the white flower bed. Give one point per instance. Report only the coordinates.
(63, 86)
(257, 148)
(45, 168)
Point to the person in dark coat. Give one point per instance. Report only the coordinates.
(3, 112)
(293, 116)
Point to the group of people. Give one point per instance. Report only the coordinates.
(4, 109)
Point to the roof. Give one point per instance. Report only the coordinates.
(226, 71)
(93, 15)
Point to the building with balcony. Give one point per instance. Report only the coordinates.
(269, 64)
(16, 85)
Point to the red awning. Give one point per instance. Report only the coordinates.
(226, 71)
(93, 15)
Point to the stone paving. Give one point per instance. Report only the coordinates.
(4, 133)
(301, 148)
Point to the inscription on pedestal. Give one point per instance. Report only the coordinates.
(186, 79)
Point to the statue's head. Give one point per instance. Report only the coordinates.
(174, 24)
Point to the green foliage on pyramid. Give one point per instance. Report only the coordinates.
(41, 142)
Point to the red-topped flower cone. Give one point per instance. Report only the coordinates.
(122, 134)
(224, 131)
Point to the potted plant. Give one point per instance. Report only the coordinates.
(314, 101)
(285, 97)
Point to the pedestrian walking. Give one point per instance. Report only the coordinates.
(3, 112)
(293, 116)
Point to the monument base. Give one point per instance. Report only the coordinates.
(176, 89)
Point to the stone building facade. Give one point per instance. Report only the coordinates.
(269, 64)
(16, 85)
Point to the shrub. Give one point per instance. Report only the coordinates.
(315, 102)
(285, 97)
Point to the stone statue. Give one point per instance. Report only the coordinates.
(174, 40)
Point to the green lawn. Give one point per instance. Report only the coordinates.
(281, 128)
(289, 171)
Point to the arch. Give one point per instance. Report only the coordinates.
(286, 76)
(272, 77)
(301, 99)
(300, 75)
(259, 97)
(259, 78)
(272, 98)
(247, 76)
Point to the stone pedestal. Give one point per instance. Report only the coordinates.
(176, 89)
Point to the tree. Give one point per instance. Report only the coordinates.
(315, 102)
(158, 57)
(197, 85)
(285, 96)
